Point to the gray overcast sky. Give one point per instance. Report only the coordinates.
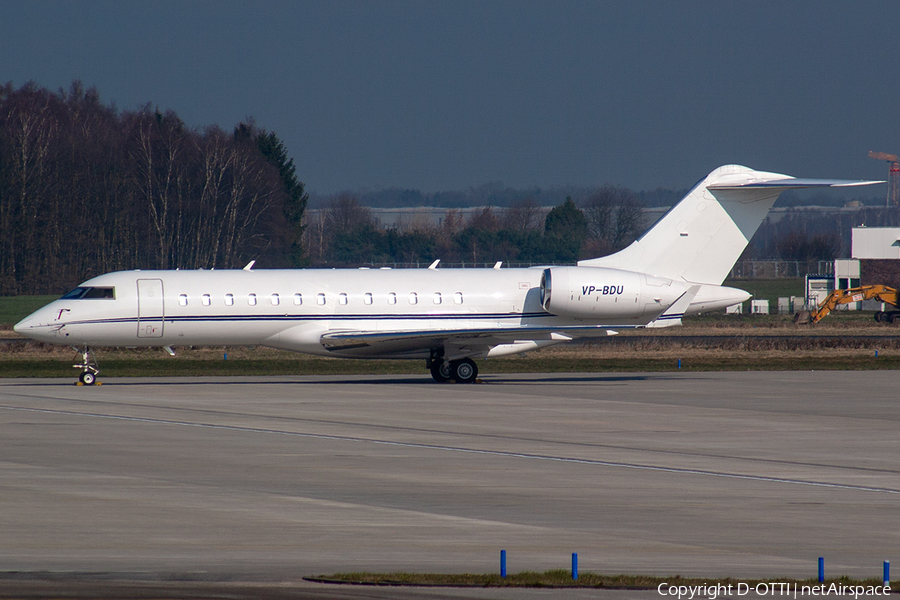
(447, 95)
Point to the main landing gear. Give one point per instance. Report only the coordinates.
(457, 371)
(88, 365)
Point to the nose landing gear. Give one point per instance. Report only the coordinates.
(88, 365)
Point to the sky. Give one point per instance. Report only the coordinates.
(448, 95)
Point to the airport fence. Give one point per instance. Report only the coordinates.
(777, 269)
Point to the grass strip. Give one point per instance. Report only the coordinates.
(15, 308)
(563, 578)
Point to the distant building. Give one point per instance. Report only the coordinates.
(877, 252)
(875, 243)
(875, 259)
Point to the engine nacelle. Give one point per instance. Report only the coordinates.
(601, 294)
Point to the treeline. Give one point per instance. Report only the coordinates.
(489, 194)
(809, 234)
(86, 189)
(345, 233)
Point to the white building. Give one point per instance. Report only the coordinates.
(867, 243)
(875, 242)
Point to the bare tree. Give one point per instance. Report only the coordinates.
(614, 216)
(155, 153)
(86, 189)
(216, 156)
(485, 220)
(345, 214)
(29, 128)
(523, 215)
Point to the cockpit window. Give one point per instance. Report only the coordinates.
(83, 293)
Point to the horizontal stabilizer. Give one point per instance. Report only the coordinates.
(794, 183)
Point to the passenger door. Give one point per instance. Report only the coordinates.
(151, 310)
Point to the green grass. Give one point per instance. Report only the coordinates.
(563, 578)
(15, 308)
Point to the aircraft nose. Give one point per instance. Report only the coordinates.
(24, 326)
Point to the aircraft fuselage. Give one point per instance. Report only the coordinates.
(293, 309)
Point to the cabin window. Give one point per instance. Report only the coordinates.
(251, 299)
(320, 299)
(182, 300)
(457, 298)
(298, 299)
(229, 299)
(342, 299)
(367, 298)
(276, 300)
(205, 300)
(436, 298)
(413, 298)
(392, 298)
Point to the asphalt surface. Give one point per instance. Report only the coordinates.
(240, 487)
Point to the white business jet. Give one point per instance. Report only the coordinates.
(448, 317)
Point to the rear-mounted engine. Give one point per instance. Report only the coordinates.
(596, 293)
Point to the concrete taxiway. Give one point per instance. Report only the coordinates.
(271, 479)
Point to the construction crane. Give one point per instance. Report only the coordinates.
(882, 293)
(893, 194)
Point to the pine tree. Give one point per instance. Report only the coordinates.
(275, 153)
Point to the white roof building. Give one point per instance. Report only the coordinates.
(875, 242)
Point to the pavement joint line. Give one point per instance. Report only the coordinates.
(461, 449)
(510, 438)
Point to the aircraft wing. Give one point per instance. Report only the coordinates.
(361, 343)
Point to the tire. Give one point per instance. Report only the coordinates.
(464, 371)
(440, 371)
(87, 378)
(886, 316)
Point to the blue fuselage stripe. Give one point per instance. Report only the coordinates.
(308, 317)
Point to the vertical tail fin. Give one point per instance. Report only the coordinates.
(702, 236)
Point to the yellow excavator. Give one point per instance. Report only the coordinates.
(881, 293)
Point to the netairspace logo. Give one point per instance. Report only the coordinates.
(711, 592)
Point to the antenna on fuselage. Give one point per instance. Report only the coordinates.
(250, 265)
(433, 266)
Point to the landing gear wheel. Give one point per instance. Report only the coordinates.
(87, 365)
(440, 371)
(464, 371)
